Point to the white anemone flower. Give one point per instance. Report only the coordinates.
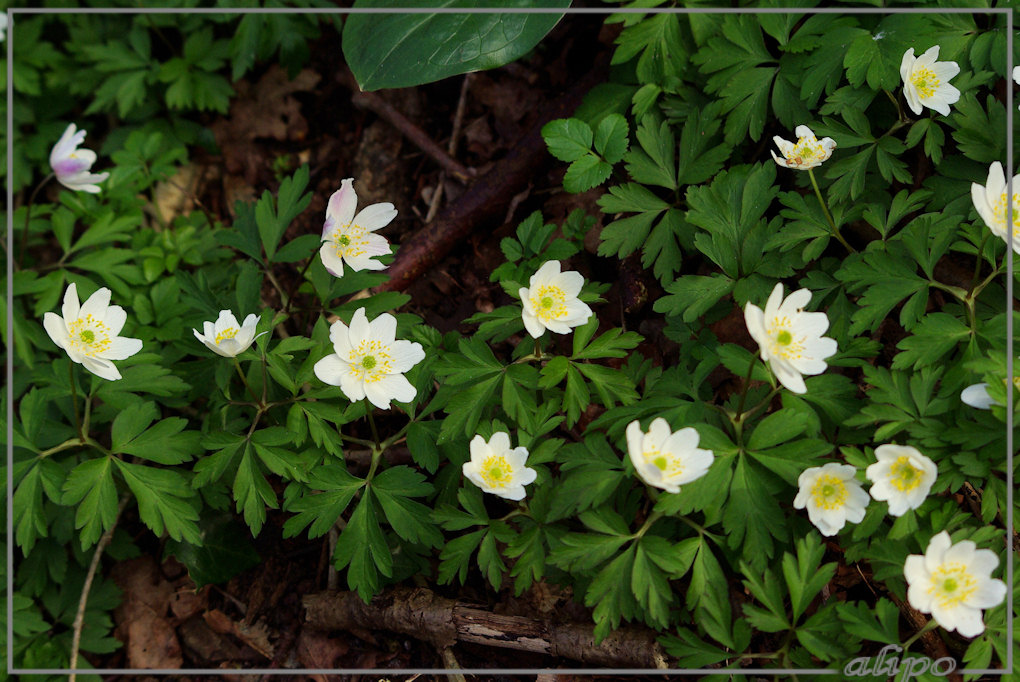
(832, 497)
(977, 395)
(3, 26)
(369, 362)
(497, 469)
(790, 339)
(1016, 74)
(807, 153)
(954, 583)
(902, 476)
(991, 201)
(926, 81)
(71, 165)
(89, 332)
(550, 301)
(349, 238)
(665, 459)
(226, 337)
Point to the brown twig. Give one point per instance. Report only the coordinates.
(488, 196)
(79, 616)
(422, 614)
(377, 105)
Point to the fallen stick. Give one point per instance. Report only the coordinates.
(488, 196)
(422, 614)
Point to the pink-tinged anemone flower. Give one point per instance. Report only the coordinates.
(349, 238)
(71, 165)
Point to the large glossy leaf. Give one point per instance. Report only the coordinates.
(399, 50)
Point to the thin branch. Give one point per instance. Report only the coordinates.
(79, 617)
(377, 105)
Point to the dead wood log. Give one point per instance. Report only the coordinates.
(422, 614)
(487, 196)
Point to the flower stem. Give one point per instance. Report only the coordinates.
(652, 518)
(293, 290)
(828, 216)
(977, 261)
(79, 616)
(928, 627)
(28, 215)
(74, 399)
(896, 103)
(538, 349)
(375, 432)
(244, 380)
(745, 388)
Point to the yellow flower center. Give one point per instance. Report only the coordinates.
(496, 471)
(952, 584)
(228, 333)
(783, 344)
(549, 301)
(350, 240)
(903, 475)
(829, 492)
(89, 336)
(370, 360)
(999, 212)
(925, 82)
(807, 149)
(669, 464)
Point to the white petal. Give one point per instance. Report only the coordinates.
(479, 449)
(96, 305)
(360, 330)
(406, 354)
(788, 377)
(342, 204)
(499, 443)
(363, 262)
(390, 387)
(532, 324)
(526, 476)
(989, 594)
(375, 216)
(122, 347)
(333, 263)
(775, 299)
(56, 329)
(571, 282)
(383, 329)
(545, 274)
(331, 370)
(71, 310)
(101, 368)
(658, 434)
(907, 65)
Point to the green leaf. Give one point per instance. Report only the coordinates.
(422, 48)
(252, 491)
(568, 139)
(611, 138)
(273, 218)
(362, 547)
(804, 574)
(411, 520)
(90, 486)
(613, 344)
(933, 337)
(691, 296)
(165, 443)
(654, 163)
(163, 502)
(587, 172)
(456, 556)
(224, 551)
(335, 488)
(878, 624)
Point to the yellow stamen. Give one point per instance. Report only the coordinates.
(228, 333)
(829, 492)
(549, 301)
(496, 471)
(925, 81)
(952, 584)
(903, 475)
